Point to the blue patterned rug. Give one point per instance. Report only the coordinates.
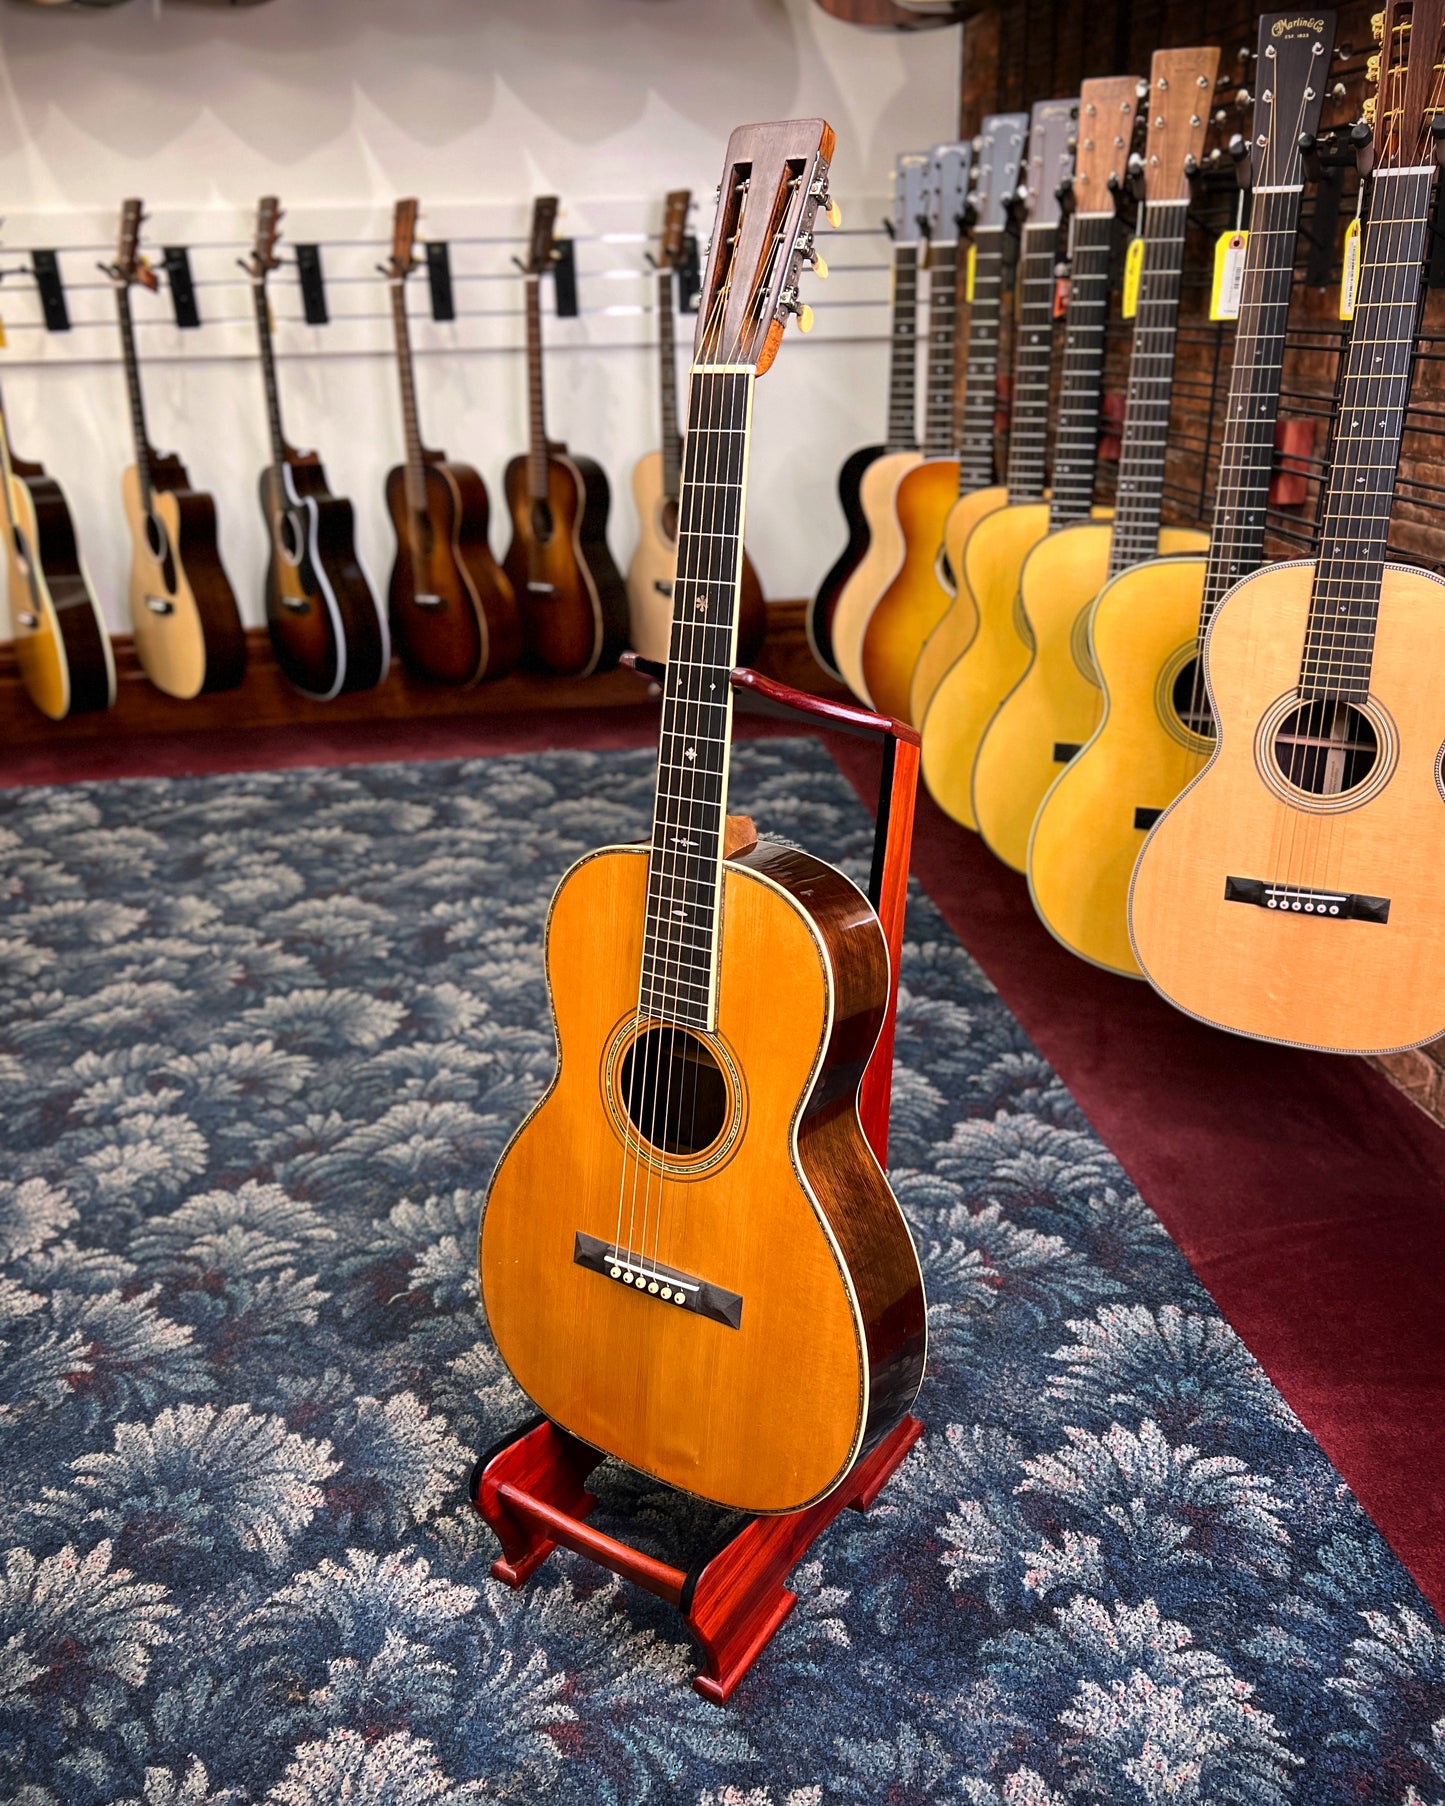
(261, 1039)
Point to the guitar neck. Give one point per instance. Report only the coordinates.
(1028, 440)
(1076, 441)
(1365, 448)
(903, 352)
(939, 437)
(679, 964)
(667, 354)
(536, 411)
(1140, 496)
(133, 389)
(268, 371)
(980, 392)
(406, 370)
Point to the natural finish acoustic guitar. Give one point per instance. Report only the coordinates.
(657, 478)
(327, 631)
(453, 612)
(1149, 624)
(61, 644)
(1056, 704)
(187, 628)
(571, 594)
(1293, 891)
(689, 1256)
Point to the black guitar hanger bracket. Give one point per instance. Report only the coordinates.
(313, 285)
(564, 278)
(439, 277)
(46, 268)
(176, 260)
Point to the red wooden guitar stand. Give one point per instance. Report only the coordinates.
(531, 1488)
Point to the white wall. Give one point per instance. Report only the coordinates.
(475, 105)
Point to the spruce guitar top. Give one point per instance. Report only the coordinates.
(327, 631)
(183, 610)
(689, 1256)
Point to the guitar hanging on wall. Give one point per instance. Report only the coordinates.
(328, 634)
(453, 613)
(1293, 891)
(657, 475)
(183, 611)
(571, 594)
(689, 1256)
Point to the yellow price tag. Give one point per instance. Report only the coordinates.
(1133, 270)
(1224, 296)
(970, 269)
(1350, 274)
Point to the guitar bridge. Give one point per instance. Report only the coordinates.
(1298, 899)
(667, 1285)
(160, 605)
(426, 600)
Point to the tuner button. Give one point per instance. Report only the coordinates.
(820, 266)
(1338, 91)
(834, 213)
(805, 318)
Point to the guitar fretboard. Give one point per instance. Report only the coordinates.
(536, 413)
(1076, 437)
(939, 438)
(980, 390)
(1365, 448)
(667, 355)
(406, 371)
(679, 962)
(133, 390)
(1033, 361)
(903, 352)
(268, 372)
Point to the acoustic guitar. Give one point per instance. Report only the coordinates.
(453, 612)
(689, 1256)
(1149, 624)
(1292, 891)
(960, 681)
(840, 609)
(61, 644)
(187, 628)
(656, 478)
(1056, 704)
(911, 603)
(571, 595)
(327, 631)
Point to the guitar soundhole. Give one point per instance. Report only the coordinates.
(1191, 700)
(674, 1091)
(156, 542)
(541, 522)
(1326, 747)
(293, 538)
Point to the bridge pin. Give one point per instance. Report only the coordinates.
(1334, 909)
(665, 1294)
(627, 1279)
(652, 1286)
(616, 1272)
(679, 1298)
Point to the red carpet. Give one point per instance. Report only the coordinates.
(1307, 1193)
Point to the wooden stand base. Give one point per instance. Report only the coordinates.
(532, 1492)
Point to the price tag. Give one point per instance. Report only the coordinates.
(1062, 289)
(1228, 276)
(1350, 275)
(970, 269)
(1133, 270)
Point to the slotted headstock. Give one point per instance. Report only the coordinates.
(774, 181)
(403, 239)
(268, 230)
(1294, 56)
(1181, 91)
(1053, 126)
(1409, 84)
(674, 228)
(129, 265)
(946, 191)
(998, 163)
(909, 213)
(539, 243)
(1108, 115)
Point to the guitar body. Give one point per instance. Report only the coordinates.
(453, 615)
(953, 634)
(1055, 703)
(654, 566)
(1089, 828)
(571, 596)
(61, 644)
(876, 569)
(183, 612)
(328, 634)
(818, 621)
(1341, 984)
(785, 1208)
(916, 600)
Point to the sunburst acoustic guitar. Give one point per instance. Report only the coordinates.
(1149, 624)
(689, 1257)
(1292, 891)
(1055, 705)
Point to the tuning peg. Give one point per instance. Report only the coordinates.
(1243, 99)
(1338, 91)
(1377, 27)
(834, 213)
(1372, 68)
(805, 318)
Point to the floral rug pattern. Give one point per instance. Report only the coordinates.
(262, 1038)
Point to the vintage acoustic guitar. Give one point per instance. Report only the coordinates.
(689, 1256)
(1055, 705)
(61, 645)
(327, 631)
(1149, 624)
(571, 595)
(882, 542)
(975, 651)
(188, 634)
(454, 616)
(1292, 891)
(657, 475)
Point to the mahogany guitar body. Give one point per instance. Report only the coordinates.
(777, 1206)
(1371, 978)
(61, 645)
(453, 614)
(328, 634)
(572, 598)
(187, 627)
(818, 621)
(876, 569)
(958, 624)
(916, 600)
